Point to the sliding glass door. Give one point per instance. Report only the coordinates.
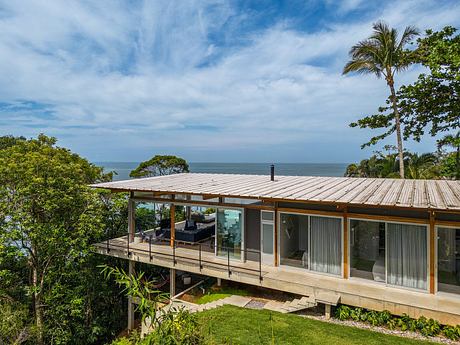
(449, 259)
(311, 242)
(229, 233)
(392, 253)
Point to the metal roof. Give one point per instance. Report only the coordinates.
(420, 194)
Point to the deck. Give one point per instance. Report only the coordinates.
(200, 259)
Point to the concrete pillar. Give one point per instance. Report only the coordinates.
(219, 282)
(327, 311)
(130, 300)
(172, 282)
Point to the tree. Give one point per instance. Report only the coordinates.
(9, 140)
(421, 166)
(51, 216)
(383, 54)
(434, 99)
(159, 166)
(452, 141)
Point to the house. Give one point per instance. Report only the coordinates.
(381, 244)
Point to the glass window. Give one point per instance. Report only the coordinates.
(326, 244)
(367, 250)
(229, 234)
(294, 240)
(267, 238)
(268, 216)
(407, 255)
(449, 260)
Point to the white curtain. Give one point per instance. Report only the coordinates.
(326, 244)
(407, 255)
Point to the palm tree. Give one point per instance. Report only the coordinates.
(383, 54)
(422, 166)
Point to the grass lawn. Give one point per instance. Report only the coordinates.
(220, 293)
(233, 325)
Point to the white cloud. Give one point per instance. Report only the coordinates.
(125, 82)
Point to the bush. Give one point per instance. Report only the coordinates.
(427, 327)
(177, 327)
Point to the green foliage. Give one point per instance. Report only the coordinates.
(15, 326)
(432, 101)
(452, 333)
(159, 166)
(423, 166)
(9, 140)
(176, 327)
(49, 217)
(136, 286)
(427, 327)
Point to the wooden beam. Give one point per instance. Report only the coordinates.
(209, 196)
(172, 212)
(346, 243)
(432, 237)
(131, 218)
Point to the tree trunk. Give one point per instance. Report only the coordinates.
(390, 82)
(37, 303)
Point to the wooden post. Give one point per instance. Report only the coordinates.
(172, 212)
(276, 263)
(130, 299)
(432, 236)
(346, 243)
(131, 217)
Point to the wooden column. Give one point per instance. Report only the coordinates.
(131, 217)
(346, 243)
(276, 263)
(432, 237)
(172, 212)
(130, 299)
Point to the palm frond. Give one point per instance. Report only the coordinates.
(408, 35)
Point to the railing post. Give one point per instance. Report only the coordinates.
(127, 244)
(260, 266)
(201, 266)
(174, 251)
(228, 262)
(150, 247)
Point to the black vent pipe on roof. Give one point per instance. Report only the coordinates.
(272, 172)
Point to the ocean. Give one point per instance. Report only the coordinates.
(122, 169)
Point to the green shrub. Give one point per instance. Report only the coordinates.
(427, 327)
(177, 327)
(452, 333)
(343, 312)
(358, 314)
(431, 329)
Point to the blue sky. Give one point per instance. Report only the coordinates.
(223, 81)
